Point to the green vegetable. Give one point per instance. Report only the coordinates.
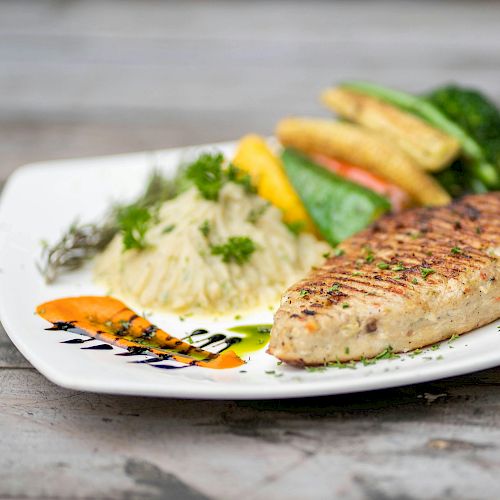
(134, 221)
(338, 207)
(475, 113)
(237, 249)
(485, 174)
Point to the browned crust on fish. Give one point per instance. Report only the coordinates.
(407, 281)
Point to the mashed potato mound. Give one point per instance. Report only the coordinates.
(177, 272)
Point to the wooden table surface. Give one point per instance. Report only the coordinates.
(97, 77)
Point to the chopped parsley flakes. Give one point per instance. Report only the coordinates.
(205, 228)
(426, 271)
(399, 267)
(168, 229)
(295, 227)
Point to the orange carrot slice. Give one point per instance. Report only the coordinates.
(109, 320)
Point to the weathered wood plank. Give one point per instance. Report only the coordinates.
(10, 357)
(385, 444)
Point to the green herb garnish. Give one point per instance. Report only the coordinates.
(315, 368)
(399, 267)
(387, 353)
(237, 249)
(134, 222)
(369, 255)
(341, 365)
(368, 361)
(256, 213)
(337, 252)
(303, 293)
(414, 281)
(426, 271)
(456, 250)
(168, 229)
(345, 305)
(205, 228)
(383, 265)
(206, 174)
(295, 227)
(209, 175)
(334, 288)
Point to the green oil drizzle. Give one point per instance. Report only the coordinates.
(254, 338)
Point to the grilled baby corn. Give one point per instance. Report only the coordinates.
(430, 148)
(363, 147)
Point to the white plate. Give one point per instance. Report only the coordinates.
(40, 201)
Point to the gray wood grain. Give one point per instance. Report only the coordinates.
(96, 77)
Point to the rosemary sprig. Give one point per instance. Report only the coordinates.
(82, 241)
(78, 244)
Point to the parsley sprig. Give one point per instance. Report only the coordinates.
(237, 249)
(134, 222)
(209, 174)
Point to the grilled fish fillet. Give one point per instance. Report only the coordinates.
(408, 281)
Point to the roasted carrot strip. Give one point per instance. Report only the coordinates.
(111, 321)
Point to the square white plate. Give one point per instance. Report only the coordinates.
(41, 200)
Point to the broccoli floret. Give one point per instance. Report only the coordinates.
(475, 113)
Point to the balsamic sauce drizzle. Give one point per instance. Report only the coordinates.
(99, 347)
(199, 339)
(76, 341)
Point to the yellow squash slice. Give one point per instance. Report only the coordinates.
(256, 158)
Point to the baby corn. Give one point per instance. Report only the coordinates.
(365, 148)
(430, 148)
